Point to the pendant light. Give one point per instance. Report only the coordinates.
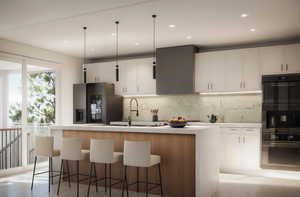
(154, 46)
(84, 55)
(117, 50)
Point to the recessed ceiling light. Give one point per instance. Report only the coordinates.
(244, 15)
(252, 30)
(113, 34)
(137, 44)
(189, 37)
(172, 26)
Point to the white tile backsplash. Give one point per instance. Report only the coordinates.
(235, 108)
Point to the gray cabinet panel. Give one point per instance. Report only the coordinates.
(175, 70)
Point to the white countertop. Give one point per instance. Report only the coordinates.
(135, 129)
(228, 125)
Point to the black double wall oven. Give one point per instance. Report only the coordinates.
(281, 122)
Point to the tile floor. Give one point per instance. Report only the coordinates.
(230, 186)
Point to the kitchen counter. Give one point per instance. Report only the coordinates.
(190, 160)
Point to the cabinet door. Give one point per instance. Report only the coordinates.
(272, 60)
(128, 77)
(234, 62)
(231, 140)
(146, 85)
(250, 151)
(251, 70)
(203, 71)
(103, 72)
(217, 73)
(292, 58)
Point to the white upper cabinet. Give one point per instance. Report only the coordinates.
(128, 77)
(272, 60)
(103, 72)
(146, 85)
(251, 70)
(209, 72)
(280, 59)
(292, 58)
(234, 60)
(136, 77)
(228, 71)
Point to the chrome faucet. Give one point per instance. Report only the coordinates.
(133, 110)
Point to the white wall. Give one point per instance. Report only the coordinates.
(69, 72)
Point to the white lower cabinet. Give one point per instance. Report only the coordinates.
(240, 149)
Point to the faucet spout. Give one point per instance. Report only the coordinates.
(133, 110)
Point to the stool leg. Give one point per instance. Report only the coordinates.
(105, 177)
(160, 180)
(109, 180)
(68, 171)
(95, 174)
(52, 182)
(49, 174)
(137, 180)
(77, 178)
(124, 181)
(60, 173)
(146, 182)
(90, 179)
(33, 174)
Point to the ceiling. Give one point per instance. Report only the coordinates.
(57, 24)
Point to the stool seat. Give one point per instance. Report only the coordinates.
(117, 156)
(85, 155)
(56, 153)
(154, 160)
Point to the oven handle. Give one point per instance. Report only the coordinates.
(284, 144)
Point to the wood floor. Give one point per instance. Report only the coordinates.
(230, 186)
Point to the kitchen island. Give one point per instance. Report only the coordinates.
(190, 160)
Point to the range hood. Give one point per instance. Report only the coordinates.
(175, 70)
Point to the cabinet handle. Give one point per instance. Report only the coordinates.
(239, 139)
(287, 67)
(208, 86)
(244, 139)
(212, 86)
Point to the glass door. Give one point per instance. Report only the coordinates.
(10, 114)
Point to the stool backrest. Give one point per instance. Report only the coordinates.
(71, 149)
(44, 146)
(137, 154)
(101, 151)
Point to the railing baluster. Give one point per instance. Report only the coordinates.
(2, 155)
(10, 149)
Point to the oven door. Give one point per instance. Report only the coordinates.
(281, 92)
(281, 155)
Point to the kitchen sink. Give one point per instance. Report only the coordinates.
(138, 123)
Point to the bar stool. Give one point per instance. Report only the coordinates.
(71, 151)
(102, 152)
(44, 148)
(138, 154)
